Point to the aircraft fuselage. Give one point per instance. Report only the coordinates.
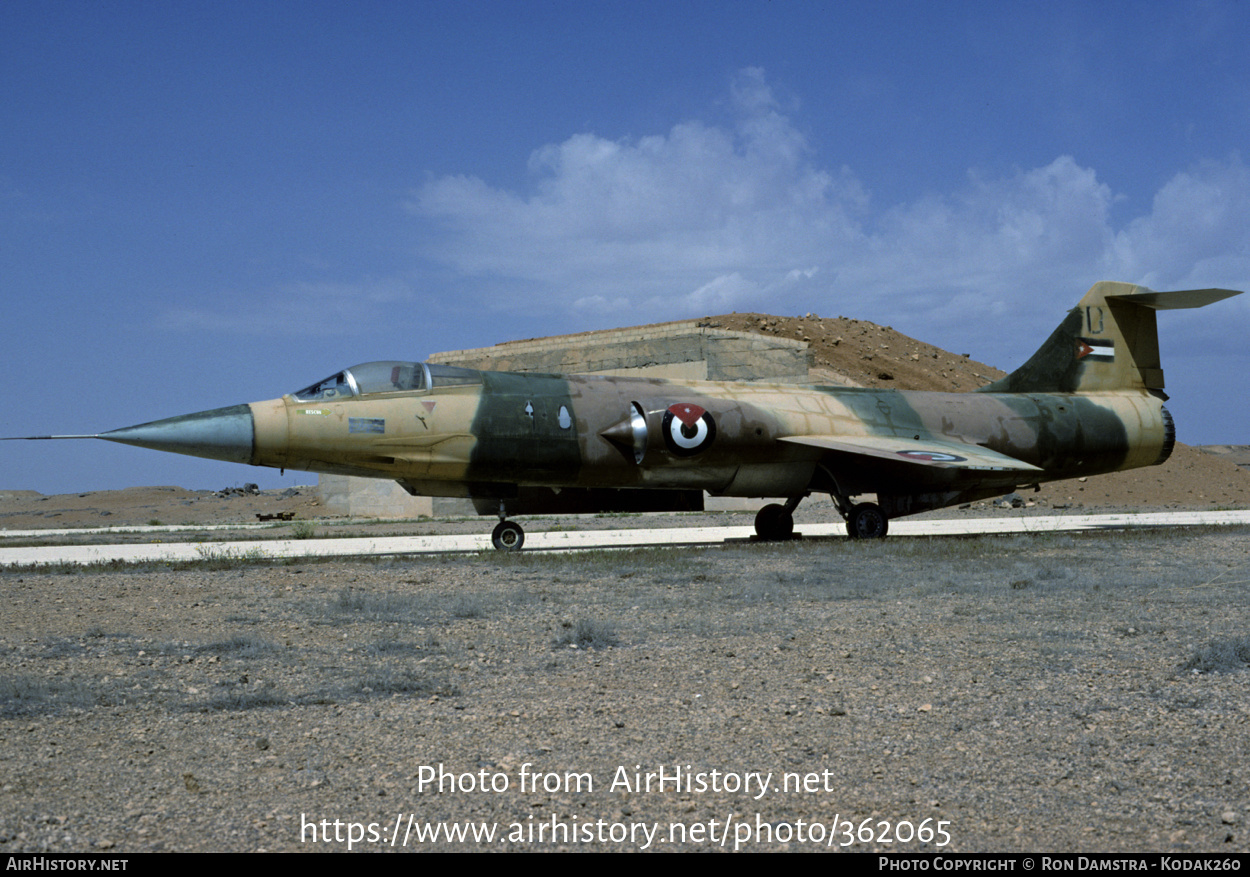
(545, 430)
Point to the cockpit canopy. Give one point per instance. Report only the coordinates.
(387, 377)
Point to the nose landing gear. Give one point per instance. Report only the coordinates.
(507, 535)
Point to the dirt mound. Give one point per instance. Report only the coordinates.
(1189, 479)
(858, 353)
(137, 506)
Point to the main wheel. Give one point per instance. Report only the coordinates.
(773, 523)
(867, 521)
(508, 536)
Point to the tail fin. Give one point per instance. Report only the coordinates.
(1109, 341)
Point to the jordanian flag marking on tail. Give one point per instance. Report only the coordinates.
(1098, 350)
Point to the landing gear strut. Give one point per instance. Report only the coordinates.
(775, 522)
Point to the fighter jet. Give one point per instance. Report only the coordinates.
(1089, 401)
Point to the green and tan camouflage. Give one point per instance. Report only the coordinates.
(1090, 401)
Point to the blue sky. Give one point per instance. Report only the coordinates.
(209, 203)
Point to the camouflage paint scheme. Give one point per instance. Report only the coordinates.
(1090, 401)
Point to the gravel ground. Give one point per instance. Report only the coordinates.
(1053, 692)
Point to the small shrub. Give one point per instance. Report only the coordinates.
(22, 694)
(239, 698)
(61, 647)
(389, 679)
(367, 606)
(303, 530)
(1220, 656)
(216, 558)
(587, 634)
(240, 646)
(26, 695)
(465, 606)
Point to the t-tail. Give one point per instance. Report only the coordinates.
(1108, 342)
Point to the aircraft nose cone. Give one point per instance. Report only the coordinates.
(220, 434)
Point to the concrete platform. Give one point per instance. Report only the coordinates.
(584, 539)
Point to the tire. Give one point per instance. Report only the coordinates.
(773, 523)
(508, 536)
(867, 521)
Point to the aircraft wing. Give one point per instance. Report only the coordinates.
(921, 452)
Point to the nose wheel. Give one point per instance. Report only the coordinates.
(508, 536)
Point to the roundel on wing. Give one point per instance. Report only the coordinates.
(688, 428)
(932, 456)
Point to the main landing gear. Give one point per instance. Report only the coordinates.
(775, 522)
(864, 520)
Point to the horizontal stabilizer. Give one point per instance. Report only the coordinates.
(919, 452)
(1181, 298)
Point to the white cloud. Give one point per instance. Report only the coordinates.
(1198, 230)
(678, 222)
(1031, 239)
(725, 293)
(743, 216)
(707, 218)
